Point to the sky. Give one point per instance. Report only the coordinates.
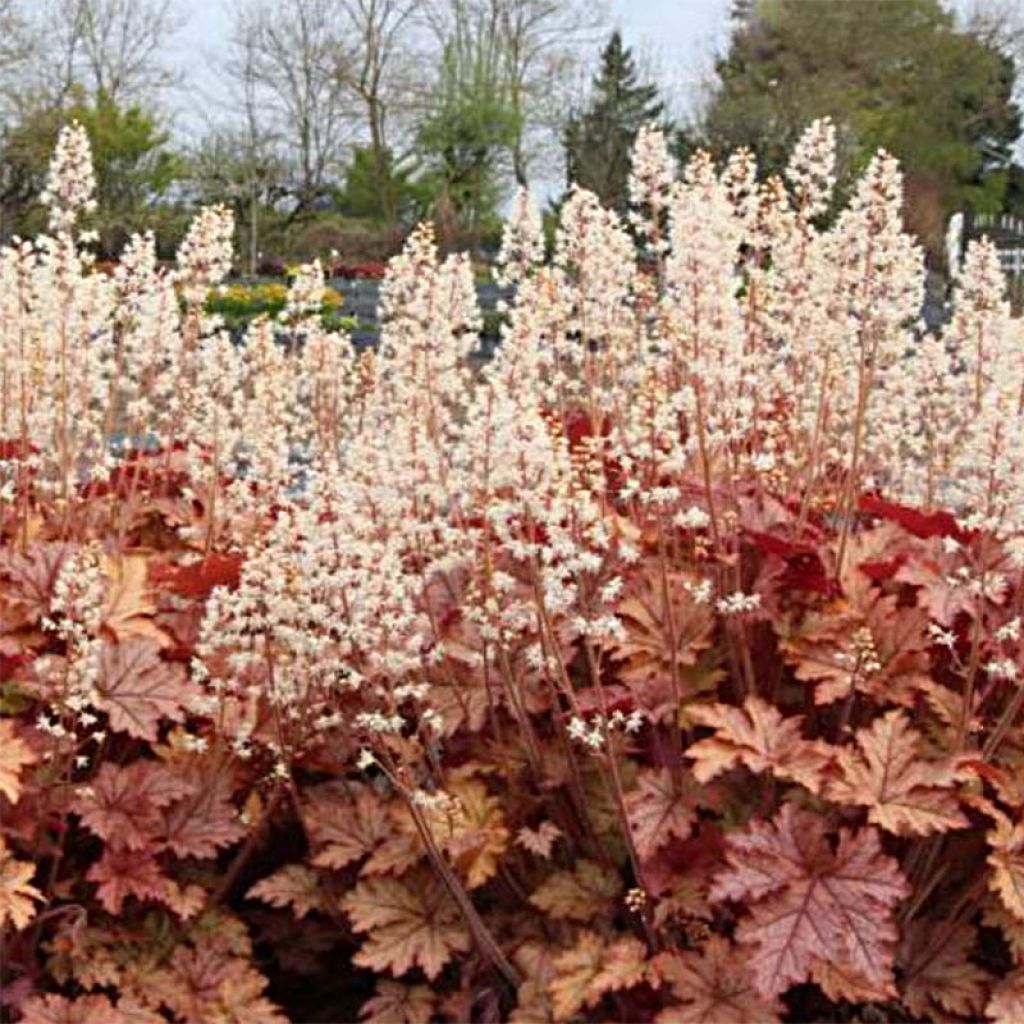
(673, 39)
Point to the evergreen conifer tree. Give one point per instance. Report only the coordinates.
(599, 139)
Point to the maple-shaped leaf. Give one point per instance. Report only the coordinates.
(56, 1009)
(344, 826)
(938, 977)
(410, 921)
(16, 890)
(1006, 858)
(539, 840)
(865, 643)
(130, 604)
(395, 1003)
(205, 820)
(807, 900)
(207, 983)
(840, 981)
(123, 803)
(758, 737)
(594, 967)
(659, 615)
(659, 810)
(931, 568)
(578, 895)
(15, 753)
(294, 885)
(712, 985)
(123, 873)
(27, 580)
(471, 830)
(1006, 1006)
(905, 794)
(137, 687)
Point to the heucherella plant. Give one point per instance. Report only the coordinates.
(664, 666)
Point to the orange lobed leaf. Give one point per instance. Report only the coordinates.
(578, 895)
(652, 624)
(15, 753)
(130, 605)
(411, 921)
(473, 833)
(16, 891)
(593, 968)
(904, 793)
(294, 885)
(713, 986)
(808, 901)
(137, 687)
(343, 826)
(758, 737)
(1006, 858)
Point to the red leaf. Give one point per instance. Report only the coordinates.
(913, 520)
(198, 579)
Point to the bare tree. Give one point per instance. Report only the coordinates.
(539, 45)
(18, 45)
(292, 49)
(117, 47)
(379, 33)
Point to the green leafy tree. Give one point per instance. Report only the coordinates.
(134, 166)
(472, 127)
(599, 139)
(397, 194)
(902, 76)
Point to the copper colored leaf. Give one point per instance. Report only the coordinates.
(539, 840)
(16, 890)
(343, 826)
(938, 975)
(26, 583)
(839, 981)
(807, 900)
(123, 873)
(395, 1003)
(1006, 858)
(1007, 1003)
(471, 829)
(137, 688)
(584, 974)
(904, 793)
(56, 1009)
(578, 895)
(758, 737)
(205, 820)
(659, 811)
(122, 804)
(15, 753)
(713, 986)
(409, 921)
(130, 603)
(293, 885)
(653, 626)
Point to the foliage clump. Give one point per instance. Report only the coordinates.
(667, 668)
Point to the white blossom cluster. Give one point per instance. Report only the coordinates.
(407, 522)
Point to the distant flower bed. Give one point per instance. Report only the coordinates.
(245, 301)
(371, 270)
